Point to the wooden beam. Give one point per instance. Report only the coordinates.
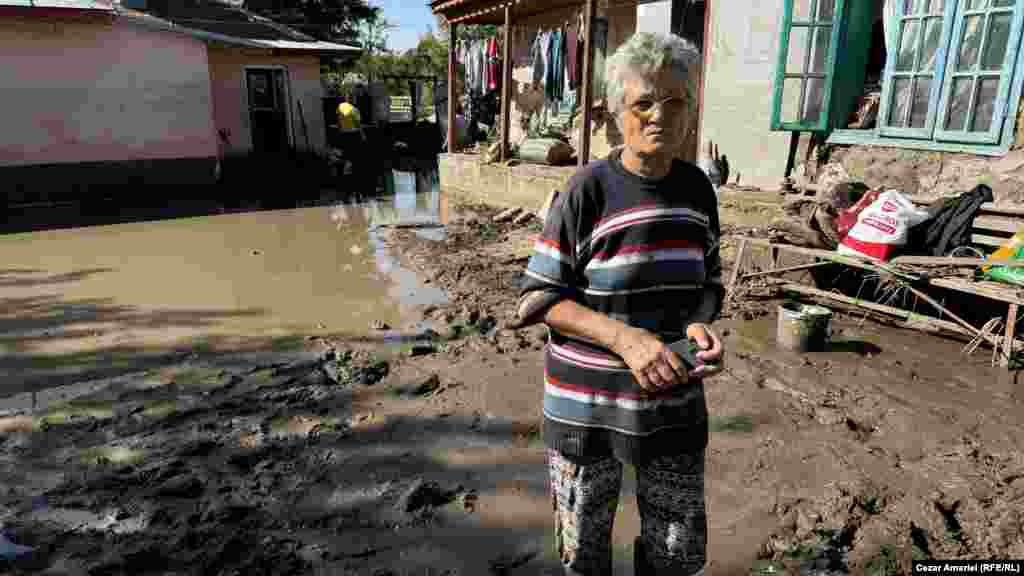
(912, 319)
(583, 154)
(950, 262)
(786, 269)
(506, 84)
(1011, 325)
(452, 147)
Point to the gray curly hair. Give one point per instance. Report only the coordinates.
(644, 55)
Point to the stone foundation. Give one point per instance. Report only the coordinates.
(467, 178)
(934, 174)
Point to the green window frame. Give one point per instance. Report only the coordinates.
(805, 70)
(983, 64)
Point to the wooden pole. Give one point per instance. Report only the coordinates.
(451, 88)
(1011, 325)
(583, 154)
(506, 84)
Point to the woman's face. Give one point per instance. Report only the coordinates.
(655, 115)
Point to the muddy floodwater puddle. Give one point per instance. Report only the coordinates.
(78, 298)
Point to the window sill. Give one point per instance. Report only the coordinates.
(871, 138)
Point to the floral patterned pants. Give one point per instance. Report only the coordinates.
(670, 498)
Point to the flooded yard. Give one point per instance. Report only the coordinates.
(108, 298)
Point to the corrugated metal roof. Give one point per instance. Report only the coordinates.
(219, 34)
(100, 5)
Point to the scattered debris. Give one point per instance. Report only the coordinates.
(507, 215)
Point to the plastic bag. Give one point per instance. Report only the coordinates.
(882, 227)
(848, 218)
(1013, 249)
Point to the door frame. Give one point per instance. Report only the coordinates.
(288, 119)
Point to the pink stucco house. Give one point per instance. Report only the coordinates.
(149, 91)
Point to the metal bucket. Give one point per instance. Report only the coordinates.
(802, 327)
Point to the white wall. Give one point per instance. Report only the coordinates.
(655, 17)
(99, 90)
(738, 90)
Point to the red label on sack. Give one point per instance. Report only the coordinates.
(889, 206)
(879, 224)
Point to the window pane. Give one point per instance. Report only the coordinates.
(975, 4)
(938, 6)
(826, 10)
(822, 36)
(814, 100)
(791, 88)
(984, 104)
(908, 45)
(970, 43)
(1001, 3)
(914, 7)
(958, 103)
(797, 50)
(900, 101)
(802, 10)
(919, 105)
(931, 44)
(998, 37)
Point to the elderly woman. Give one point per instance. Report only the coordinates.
(627, 263)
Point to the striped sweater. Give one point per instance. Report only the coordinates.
(644, 252)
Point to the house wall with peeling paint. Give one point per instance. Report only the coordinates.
(101, 91)
(227, 72)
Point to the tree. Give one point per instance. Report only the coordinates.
(329, 20)
(465, 32)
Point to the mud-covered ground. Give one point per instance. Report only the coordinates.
(412, 453)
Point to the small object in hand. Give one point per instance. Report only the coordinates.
(687, 350)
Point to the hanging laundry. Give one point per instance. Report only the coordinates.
(571, 55)
(492, 64)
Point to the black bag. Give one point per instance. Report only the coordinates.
(950, 226)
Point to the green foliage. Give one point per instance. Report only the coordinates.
(330, 20)
(885, 563)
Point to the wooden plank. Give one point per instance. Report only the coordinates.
(946, 261)
(737, 267)
(452, 146)
(911, 317)
(834, 257)
(1011, 325)
(998, 223)
(986, 240)
(993, 290)
(583, 154)
(786, 269)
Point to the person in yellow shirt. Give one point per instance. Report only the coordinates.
(349, 119)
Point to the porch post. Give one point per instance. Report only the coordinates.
(506, 84)
(451, 87)
(583, 154)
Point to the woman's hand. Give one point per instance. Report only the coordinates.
(654, 366)
(711, 350)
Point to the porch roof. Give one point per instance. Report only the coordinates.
(89, 5)
(492, 11)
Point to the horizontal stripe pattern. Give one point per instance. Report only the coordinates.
(643, 252)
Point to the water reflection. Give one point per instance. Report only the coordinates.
(301, 271)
